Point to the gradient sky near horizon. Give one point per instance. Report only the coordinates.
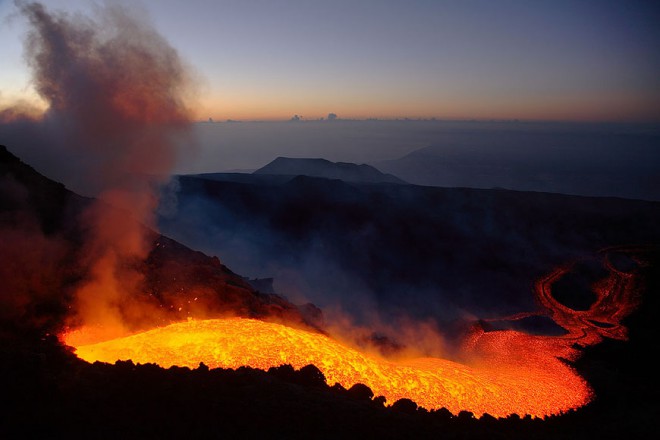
(579, 60)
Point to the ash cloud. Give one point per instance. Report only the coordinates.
(117, 110)
(116, 94)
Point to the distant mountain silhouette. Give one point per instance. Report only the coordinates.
(602, 165)
(348, 172)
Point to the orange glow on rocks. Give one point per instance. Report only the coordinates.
(505, 371)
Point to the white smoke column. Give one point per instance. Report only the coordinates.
(116, 92)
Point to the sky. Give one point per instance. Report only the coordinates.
(579, 60)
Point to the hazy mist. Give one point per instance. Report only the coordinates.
(584, 159)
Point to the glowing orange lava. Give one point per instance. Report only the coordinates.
(508, 372)
(545, 386)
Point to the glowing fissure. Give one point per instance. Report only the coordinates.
(508, 372)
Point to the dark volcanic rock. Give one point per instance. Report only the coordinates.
(41, 262)
(40, 240)
(49, 393)
(432, 252)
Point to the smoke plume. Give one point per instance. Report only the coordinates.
(116, 93)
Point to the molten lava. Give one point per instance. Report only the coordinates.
(494, 388)
(508, 372)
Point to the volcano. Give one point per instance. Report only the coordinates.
(44, 381)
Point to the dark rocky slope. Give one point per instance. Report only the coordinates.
(42, 261)
(48, 392)
(434, 253)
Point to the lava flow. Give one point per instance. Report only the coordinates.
(431, 382)
(509, 371)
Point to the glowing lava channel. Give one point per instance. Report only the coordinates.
(538, 385)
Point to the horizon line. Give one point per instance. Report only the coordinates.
(211, 120)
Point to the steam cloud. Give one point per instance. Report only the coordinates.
(116, 94)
